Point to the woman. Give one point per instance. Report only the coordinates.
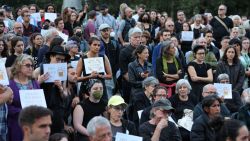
(168, 67)
(89, 108)
(17, 47)
(94, 47)
(197, 26)
(185, 45)
(73, 21)
(143, 99)
(204, 127)
(3, 48)
(181, 101)
(55, 92)
(116, 107)
(139, 69)
(145, 21)
(230, 64)
(36, 41)
(199, 72)
(245, 60)
(21, 79)
(233, 130)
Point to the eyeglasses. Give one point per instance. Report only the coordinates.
(29, 65)
(170, 25)
(118, 108)
(210, 93)
(221, 9)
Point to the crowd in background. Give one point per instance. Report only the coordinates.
(158, 78)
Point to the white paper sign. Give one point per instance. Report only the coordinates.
(139, 113)
(74, 64)
(94, 64)
(4, 80)
(187, 35)
(50, 16)
(126, 137)
(224, 90)
(56, 71)
(64, 36)
(6, 23)
(37, 16)
(32, 97)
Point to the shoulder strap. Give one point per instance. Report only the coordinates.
(218, 19)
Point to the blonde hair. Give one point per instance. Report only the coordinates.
(16, 67)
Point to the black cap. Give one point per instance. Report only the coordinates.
(7, 8)
(163, 103)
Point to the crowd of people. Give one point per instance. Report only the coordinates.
(157, 80)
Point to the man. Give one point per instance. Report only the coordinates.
(126, 24)
(90, 29)
(235, 103)
(221, 25)
(35, 122)
(32, 21)
(224, 44)
(169, 25)
(164, 36)
(28, 28)
(99, 129)
(48, 37)
(140, 10)
(6, 96)
(210, 46)
(125, 57)
(111, 49)
(159, 128)
(180, 21)
(18, 29)
(60, 26)
(7, 16)
(106, 18)
(209, 89)
(234, 33)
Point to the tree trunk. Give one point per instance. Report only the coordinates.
(72, 3)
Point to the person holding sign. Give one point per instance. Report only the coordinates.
(231, 65)
(95, 71)
(235, 103)
(54, 91)
(21, 79)
(116, 108)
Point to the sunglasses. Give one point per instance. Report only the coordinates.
(29, 65)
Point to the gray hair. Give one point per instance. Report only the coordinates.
(134, 30)
(150, 81)
(197, 16)
(96, 122)
(182, 82)
(236, 17)
(222, 76)
(206, 87)
(49, 34)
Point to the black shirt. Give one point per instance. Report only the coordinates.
(10, 60)
(125, 57)
(169, 133)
